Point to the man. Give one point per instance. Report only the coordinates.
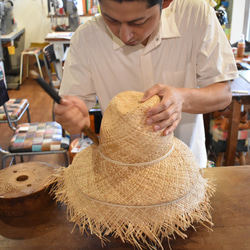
(174, 49)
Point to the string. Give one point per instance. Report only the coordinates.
(136, 164)
(134, 206)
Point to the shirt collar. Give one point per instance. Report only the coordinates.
(168, 29)
(168, 24)
(117, 43)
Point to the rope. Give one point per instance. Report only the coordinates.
(136, 164)
(134, 206)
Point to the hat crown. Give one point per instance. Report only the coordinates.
(125, 136)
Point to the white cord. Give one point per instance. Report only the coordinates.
(136, 164)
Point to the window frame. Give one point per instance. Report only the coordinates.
(246, 24)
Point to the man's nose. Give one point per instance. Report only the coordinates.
(125, 33)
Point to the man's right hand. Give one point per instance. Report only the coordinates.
(72, 113)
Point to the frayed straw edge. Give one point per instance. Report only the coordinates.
(141, 241)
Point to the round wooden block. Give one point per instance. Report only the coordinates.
(22, 188)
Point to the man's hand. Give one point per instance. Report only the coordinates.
(167, 114)
(72, 113)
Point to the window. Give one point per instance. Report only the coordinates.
(246, 25)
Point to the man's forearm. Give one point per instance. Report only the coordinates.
(204, 100)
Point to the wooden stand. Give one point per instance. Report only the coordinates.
(22, 189)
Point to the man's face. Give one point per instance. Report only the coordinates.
(132, 22)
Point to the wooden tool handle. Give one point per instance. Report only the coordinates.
(45, 86)
(89, 132)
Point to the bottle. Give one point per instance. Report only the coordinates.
(94, 7)
(241, 46)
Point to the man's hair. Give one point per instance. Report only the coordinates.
(151, 3)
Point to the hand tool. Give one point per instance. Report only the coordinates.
(87, 130)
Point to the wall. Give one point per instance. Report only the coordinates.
(237, 15)
(33, 15)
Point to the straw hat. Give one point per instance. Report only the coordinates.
(137, 184)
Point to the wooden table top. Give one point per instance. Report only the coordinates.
(49, 228)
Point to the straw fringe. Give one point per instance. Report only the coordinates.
(143, 228)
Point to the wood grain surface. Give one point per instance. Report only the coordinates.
(49, 228)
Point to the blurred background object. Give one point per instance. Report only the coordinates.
(7, 21)
(67, 8)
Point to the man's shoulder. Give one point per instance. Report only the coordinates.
(186, 5)
(191, 10)
(91, 27)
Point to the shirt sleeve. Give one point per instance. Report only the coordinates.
(215, 59)
(77, 79)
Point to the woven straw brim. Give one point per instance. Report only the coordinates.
(140, 204)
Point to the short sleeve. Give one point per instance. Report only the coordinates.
(77, 78)
(215, 60)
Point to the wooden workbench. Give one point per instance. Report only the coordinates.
(49, 229)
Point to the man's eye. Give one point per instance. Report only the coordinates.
(111, 20)
(138, 23)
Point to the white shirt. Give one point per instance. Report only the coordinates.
(211, 2)
(188, 50)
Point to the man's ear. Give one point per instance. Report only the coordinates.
(165, 3)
